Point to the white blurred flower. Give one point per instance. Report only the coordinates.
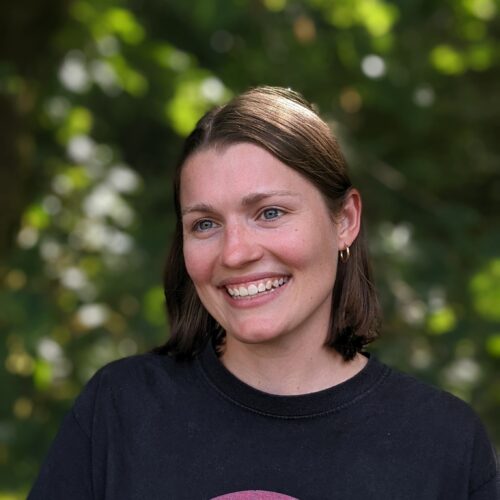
(123, 179)
(73, 74)
(396, 238)
(81, 148)
(73, 278)
(413, 312)
(49, 349)
(119, 243)
(92, 315)
(50, 250)
(27, 237)
(100, 201)
(373, 66)
(104, 75)
(212, 89)
(104, 201)
(62, 184)
(464, 371)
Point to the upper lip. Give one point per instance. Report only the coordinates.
(238, 280)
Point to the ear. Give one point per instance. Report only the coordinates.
(349, 220)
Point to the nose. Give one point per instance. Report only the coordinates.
(240, 246)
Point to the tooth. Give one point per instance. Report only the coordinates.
(262, 287)
(253, 290)
(281, 281)
(243, 291)
(230, 291)
(276, 283)
(269, 285)
(236, 292)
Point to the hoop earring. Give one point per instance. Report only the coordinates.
(344, 254)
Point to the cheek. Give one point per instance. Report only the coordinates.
(197, 262)
(314, 252)
(302, 247)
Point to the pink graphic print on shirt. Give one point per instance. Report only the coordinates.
(254, 495)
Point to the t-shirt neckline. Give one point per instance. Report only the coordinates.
(312, 404)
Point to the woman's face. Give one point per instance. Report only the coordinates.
(260, 244)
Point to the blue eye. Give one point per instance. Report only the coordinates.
(272, 213)
(204, 225)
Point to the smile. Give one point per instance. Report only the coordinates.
(257, 288)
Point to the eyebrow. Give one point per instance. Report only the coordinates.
(248, 200)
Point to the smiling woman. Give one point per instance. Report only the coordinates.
(245, 146)
(264, 389)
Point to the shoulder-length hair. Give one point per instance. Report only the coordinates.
(282, 122)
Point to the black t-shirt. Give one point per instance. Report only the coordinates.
(149, 427)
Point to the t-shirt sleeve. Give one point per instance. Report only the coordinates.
(484, 468)
(66, 472)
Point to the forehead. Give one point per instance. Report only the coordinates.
(236, 170)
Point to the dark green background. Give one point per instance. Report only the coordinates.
(95, 98)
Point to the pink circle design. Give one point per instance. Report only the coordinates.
(254, 495)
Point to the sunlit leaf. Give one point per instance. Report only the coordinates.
(493, 345)
(169, 57)
(78, 177)
(154, 306)
(376, 16)
(42, 376)
(275, 5)
(441, 321)
(36, 217)
(193, 97)
(78, 121)
(483, 9)
(131, 80)
(447, 60)
(485, 288)
(121, 22)
(12, 496)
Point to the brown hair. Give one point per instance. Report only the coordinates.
(283, 123)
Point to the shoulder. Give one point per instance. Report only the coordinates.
(425, 400)
(442, 422)
(133, 372)
(131, 383)
(138, 368)
(427, 412)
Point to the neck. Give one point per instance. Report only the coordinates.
(288, 370)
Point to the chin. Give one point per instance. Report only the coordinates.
(251, 334)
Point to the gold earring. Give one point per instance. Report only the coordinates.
(344, 254)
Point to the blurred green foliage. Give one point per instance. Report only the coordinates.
(95, 97)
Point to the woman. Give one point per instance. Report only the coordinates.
(262, 390)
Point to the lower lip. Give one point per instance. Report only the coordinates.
(256, 300)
